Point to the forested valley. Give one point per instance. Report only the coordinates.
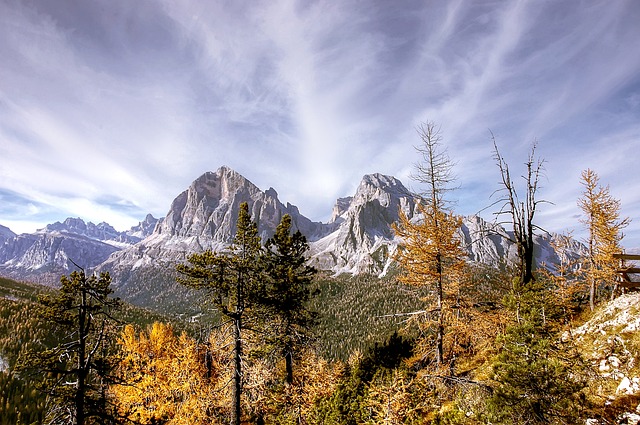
(437, 340)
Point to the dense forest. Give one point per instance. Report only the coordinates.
(438, 340)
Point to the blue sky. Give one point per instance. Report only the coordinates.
(109, 109)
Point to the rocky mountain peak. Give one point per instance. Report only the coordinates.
(364, 238)
(341, 206)
(5, 233)
(384, 189)
(208, 208)
(77, 226)
(381, 181)
(204, 217)
(144, 228)
(358, 238)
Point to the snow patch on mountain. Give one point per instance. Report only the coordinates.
(51, 251)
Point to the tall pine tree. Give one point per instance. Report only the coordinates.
(430, 253)
(80, 366)
(233, 280)
(287, 292)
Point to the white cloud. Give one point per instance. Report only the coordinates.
(129, 102)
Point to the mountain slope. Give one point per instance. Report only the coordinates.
(52, 251)
(201, 217)
(43, 257)
(364, 240)
(357, 239)
(5, 233)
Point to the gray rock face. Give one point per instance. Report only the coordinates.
(5, 234)
(486, 242)
(144, 228)
(364, 240)
(339, 209)
(204, 217)
(46, 254)
(491, 244)
(102, 231)
(208, 210)
(43, 257)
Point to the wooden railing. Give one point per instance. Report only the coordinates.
(624, 271)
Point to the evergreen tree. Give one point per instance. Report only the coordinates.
(287, 292)
(538, 379)
(80, 365)
(233, 281)
(602, 218)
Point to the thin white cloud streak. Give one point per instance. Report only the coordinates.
(323, 78)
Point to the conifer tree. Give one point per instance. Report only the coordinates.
(537, 378)
(287, 291)
(602, 218)
(81, 364)
(233, 281)
(430, 253)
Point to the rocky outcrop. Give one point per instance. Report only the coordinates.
(339, 209)
(5, 234)
(609, 341)
(364, 241)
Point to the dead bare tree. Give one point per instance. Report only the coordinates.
(521, 211)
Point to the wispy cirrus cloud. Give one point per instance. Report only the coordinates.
(105, 104)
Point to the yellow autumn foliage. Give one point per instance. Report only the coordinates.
(169, 377)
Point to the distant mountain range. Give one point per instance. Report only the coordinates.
(357, 239)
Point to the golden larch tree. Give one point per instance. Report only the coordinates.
(430, 252)
(603, 221)
(169, 378)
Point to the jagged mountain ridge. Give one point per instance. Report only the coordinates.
(51, 251)
(357, 239)
(104, 232)
(364, 240)
(5, 234)
(206, 209)
(204, 217)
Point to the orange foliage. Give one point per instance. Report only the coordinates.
(170, 378)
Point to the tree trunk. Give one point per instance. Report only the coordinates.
(528, 264)
(288, 360)
(440, 331)
(237, 372)
(82, 352)
(592, 294)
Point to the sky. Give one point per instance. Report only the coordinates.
(109, 109)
